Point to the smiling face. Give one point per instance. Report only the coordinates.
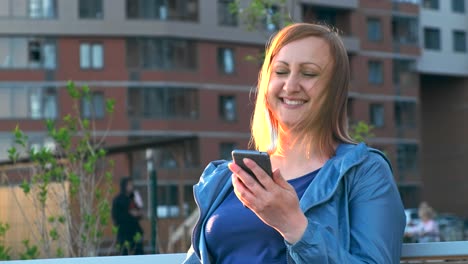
(299, 74)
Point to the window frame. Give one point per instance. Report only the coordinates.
(374, 25)
(221, 58)
(94, 112)
(374, 116)
(95, 7)
(222, 111)
(429, 35)
(91, 56)
(458, 4)
(225, 17)
(372, 78)
(461, 46)
(431, 4)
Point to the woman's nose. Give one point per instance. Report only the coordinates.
(292, 83)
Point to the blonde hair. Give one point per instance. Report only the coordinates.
(330, 124)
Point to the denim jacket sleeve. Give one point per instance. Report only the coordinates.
(375, 217)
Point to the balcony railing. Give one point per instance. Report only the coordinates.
(436, 252)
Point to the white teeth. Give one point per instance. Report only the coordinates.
(292, 102)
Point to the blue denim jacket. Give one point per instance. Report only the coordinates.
(354, 210)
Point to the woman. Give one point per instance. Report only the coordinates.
(427, 229)
(329, 200)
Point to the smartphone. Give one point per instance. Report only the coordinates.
(261, 158)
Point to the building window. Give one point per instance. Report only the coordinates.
(92, 107)
(30, 103)
(459, 41)
(225, 16)
(272, 18)
(39, 9)
(225, 149)
(91, 56)
(226, 60)
(405, 114)
(458, 6)
(432, 38)
(179, 10)
(431, 4)
(227, 107)
(43, 103)
(90, 9)
(168, 201)
(35, 53)
(407, 157)
(326, 16)
(401, 69)
(377, 115)
(161, 53)
(375, 72)
(405, 30)
(374, 29)
(163, 102)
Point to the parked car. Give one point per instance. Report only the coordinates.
(412, 217)
(451, 227)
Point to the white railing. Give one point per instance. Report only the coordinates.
(434, 252)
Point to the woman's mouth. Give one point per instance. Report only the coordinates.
(292, 102)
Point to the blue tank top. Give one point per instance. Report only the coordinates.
(234, 234)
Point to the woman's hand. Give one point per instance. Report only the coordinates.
(272, 199)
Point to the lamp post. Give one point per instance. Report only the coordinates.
(153, 187)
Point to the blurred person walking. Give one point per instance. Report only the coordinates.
(126, 214)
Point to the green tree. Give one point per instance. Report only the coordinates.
(71, 176)
(257, 14)
(361, 131)
(4, 250)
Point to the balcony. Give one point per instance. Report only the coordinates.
(349, 4)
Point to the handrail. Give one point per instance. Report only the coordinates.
(411, 252)
(454, 250)
(176, 258)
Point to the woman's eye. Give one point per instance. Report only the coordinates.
(309, 74)
(281, 72)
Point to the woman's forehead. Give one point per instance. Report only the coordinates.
(307, 50)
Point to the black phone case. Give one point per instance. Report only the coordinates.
(261, 158)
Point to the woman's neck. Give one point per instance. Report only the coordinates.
(295, 158)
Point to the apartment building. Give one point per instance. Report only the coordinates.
(443, 66)
(179, 74)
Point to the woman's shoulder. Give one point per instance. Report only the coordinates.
(361, 154)
(214, 170)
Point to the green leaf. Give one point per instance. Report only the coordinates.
(110, 104)
(20, 138)
(72, 90)
(86, 91)
(60, 253)
(26, 186)
(13, 154)
(86, 123)
(61, 219)
(115, 229)
(54, 235)
(74, 182)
